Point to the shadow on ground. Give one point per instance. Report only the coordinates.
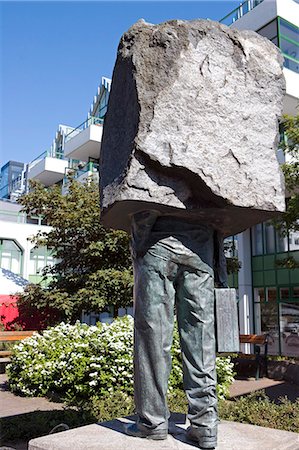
(17, 430)
(275, 390)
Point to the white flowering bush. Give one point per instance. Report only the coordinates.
(225, 376)
(82, 361)
(74, 360)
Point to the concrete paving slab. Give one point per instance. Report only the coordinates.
(111, 436)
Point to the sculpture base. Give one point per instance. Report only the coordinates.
(111, 436)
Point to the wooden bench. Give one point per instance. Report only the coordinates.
(9, 336)
(261, 359)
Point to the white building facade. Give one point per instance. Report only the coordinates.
(268, 293)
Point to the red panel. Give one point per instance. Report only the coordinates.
(8, 310)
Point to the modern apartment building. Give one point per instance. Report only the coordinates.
(268, 293)
(9, 176)
(73, 148)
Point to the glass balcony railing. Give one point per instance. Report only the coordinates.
(240, 11)
(288, 39)
(48, 153)
(91, 167)
(86, 124)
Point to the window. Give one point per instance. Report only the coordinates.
(270, 31)
(269, 322)
(40, 258)
(289, 43)
(288, 30)
(284, 293)
(269, 238)
(296, 293)
(11, 256)
(258, 248)
(289, 328)
(281, 243)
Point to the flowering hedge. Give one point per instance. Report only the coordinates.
(84, 361)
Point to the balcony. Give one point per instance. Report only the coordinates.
(240, 11)
(49, 168)
(89, 171)
(84, 141)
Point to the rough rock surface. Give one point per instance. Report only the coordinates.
(192, 126)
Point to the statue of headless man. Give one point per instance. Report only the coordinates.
(187, 158)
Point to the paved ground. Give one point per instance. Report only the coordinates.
(274, 389)
(11, 404)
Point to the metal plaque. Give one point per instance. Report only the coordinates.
(227, 327)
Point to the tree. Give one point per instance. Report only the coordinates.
(290, 219)
(93, 264)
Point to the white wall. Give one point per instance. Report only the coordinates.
(289, 10)
(20, 233)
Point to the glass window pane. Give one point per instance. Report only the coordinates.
(289, 325)
(15, 266)
(10, 256)
(259, 296)
(281, 242)
(5, 262)
(269, 320)
(284, 294)
(270, 30)
(271, 295)
(289, 30)
(289, 48)
(296, 292)
(290, 64)
(257, 238)
(294, 240)
(10, 245)
(270, 238)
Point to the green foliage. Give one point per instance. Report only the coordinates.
(74, 360)
(290, 219)
(257, 409)
(93, 264)
(233, 265)
(80, 362)
(287, 263)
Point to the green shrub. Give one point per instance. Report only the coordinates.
(81, 361)
(257, 409)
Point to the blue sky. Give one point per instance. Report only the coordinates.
(53, 55)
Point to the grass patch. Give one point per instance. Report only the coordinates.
(255, 409)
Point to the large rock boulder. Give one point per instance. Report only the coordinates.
(192, 126)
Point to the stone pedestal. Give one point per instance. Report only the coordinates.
(111, 436)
